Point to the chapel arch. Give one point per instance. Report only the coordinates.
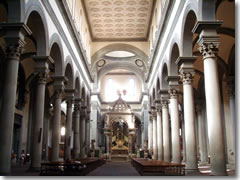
(69, 75)
(173, 68)
(163, 80)
(39, 35)
(56, 53)
(187, 36)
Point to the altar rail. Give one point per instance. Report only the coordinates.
(157, 168)
(72, 168)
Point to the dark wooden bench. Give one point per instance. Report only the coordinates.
(157, 168)
(91, 163)
(74, 168)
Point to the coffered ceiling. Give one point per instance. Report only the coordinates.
(118, 19)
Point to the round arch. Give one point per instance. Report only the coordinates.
(118, 47)
(189, 22)
(36, 21)
(114, 66)
(164, 74)
(70, 76)
(56, 52)
(77, 93)
(174, 54)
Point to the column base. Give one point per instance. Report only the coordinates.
(203, 163)
(219, 173)
(192, 172)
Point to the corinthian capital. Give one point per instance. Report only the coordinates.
(164, 103)
(14, 50)
(187, 77)
(208, 49)
(173, 93)
(42, 77)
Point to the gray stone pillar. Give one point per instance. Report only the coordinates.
(231, 122)
(183, 137)
(209, 42)
(187, 74)
(159, 131)
(67, 142)
(166, 131)
(87, 132)
(202, 135)
(154, 124)
(150, 134)
(14, 39)
(41, 68)
(76, 140)
(58, 86)
(176, 151)
(95, 131)
(82, 132)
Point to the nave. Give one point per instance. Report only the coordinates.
(115, 169)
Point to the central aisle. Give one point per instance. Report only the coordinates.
(115, 169)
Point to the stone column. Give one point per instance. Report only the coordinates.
(202, 135)
(76, 140)
(187, 74)
(82, 132)
(150, 132)
(41, 68)
(231, 130)
(142, 135)
(14, 39)
(155, 150)
(58, 86)
(209, 42)
(67, 142)
(176, 151)
(183, 137)
(159, 130)
(87, 132)
(166, 131)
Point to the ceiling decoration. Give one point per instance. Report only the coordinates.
(118, 19)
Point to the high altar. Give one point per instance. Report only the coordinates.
(120, 131)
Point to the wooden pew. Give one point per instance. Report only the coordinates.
(157, 167)
(91, 163)
(71, 168)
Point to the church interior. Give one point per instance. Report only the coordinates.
(117, 88)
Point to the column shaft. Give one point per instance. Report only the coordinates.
(214, 116)
(76, 140)
(8, 107)
(155, 150)
(36, 156)
(150, 135)
(67, 144)
(176, 152)
(82, 136)
(56, 126)
(189, 121)
(159, 135)
(202, 137)
(166, 132)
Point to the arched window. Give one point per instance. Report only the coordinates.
(132, 88)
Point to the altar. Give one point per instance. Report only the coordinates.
(119, 129)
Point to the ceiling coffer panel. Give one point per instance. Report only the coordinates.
(119, 19)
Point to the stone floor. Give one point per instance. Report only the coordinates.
(113, 169)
